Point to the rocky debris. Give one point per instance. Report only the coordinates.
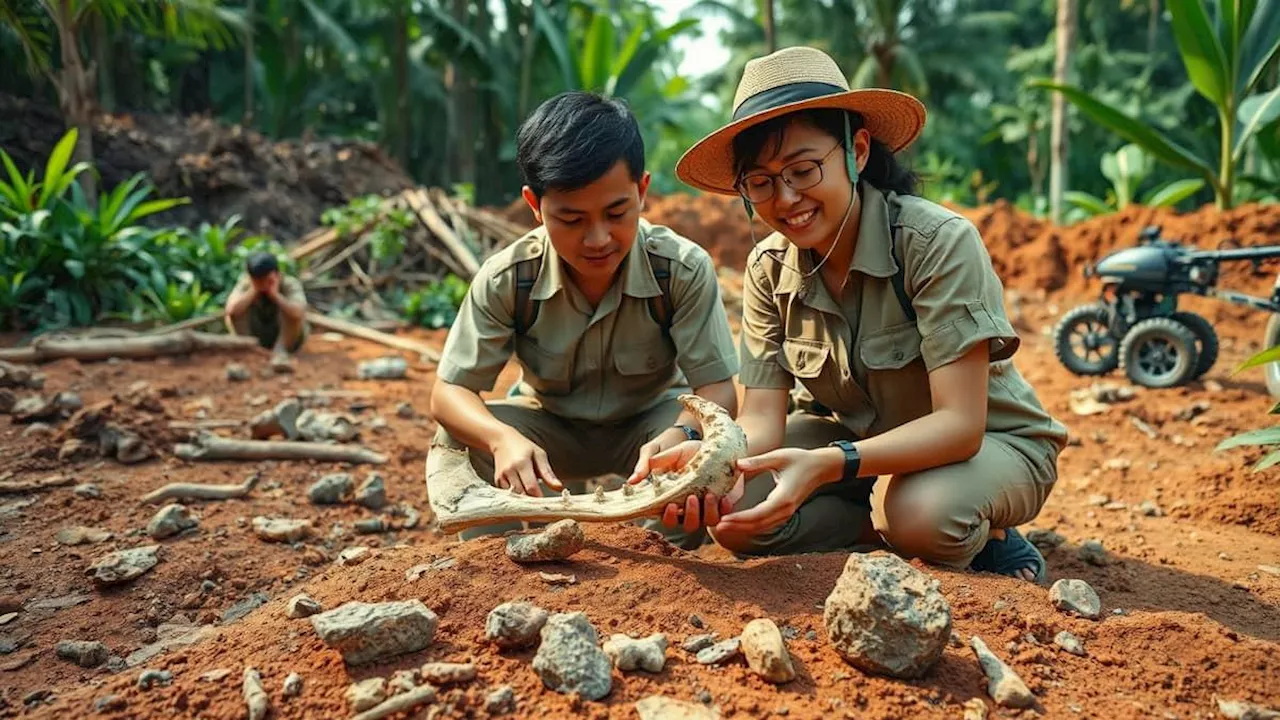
(35, 697)
(177, 632)
(402, 681)
(352, 556)
(884, 616)
(255, 697)
(148, 679)
(237, 372)
(332, 489)
(369, 526)
(292, 685)
(20, 376)
(1069, 642)
(1241, 710)
(279, 420)
(557, 578)
(696, 621)
(88, 491)
(501, 700)
(372, 493)
(697, 643)
(85, 653)
(443, 673)
(1149, 508)
(302, 606)
(366, 633)
(123, 566)
(1003, 684)
(416, 572)
(315, 426)
(6, 618)
(38, 429)
(281, 529)
(217, 675)
(558, 541)
(766, 651)
(1193, 410)
(74, 450)
(109, 704)
(515, 624)
(629, 653)
(254, 601)
(399, 703)
(1092, 552)
(1076, 596)
(169, 521)
(389, 367)
(378, 424)
(367, 693)
(81, 535)
(1045, 540)
(720, 652)
(658, 707)
(568, 659)
(975, 709)
(405, 411)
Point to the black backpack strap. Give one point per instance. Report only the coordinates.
(526, 310)
(899, 277)
(660, 308)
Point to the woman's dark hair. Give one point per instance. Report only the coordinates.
(882, 171)
(573, 139)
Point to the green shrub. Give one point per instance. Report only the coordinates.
(436, 305)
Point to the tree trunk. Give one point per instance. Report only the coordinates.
(1065, 37)
(1153, 26)
(103, 49)
(463, 99)
(770, 31)
(76, 95)
(250, 17)
(400, 45)
(1034, 166)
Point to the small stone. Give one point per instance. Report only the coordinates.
(150, 678)
(1000, 605)
(366, 633)
(81, 535)
(369, 526)
(169, 521)
(372, 493)
(698, 643)
(1044, 540)
(1092, 552)
(696, 621)
(390, 367)
(720, 652)
(1069, 642)
(293, 685)
(216, 675)
(1076, 596)
(1098, 500)
(281, 529)
(75, 450)
(237, 372)
(405, 410)
(85, 653)
(1003, 684)
(568, 659)
(1269, 569)
(766, 651)
(88, 491)
(402, 681)
(975, 709)
(703, 696)
(443, 673)
(109, 703)
(123, 566)
(558, 541)
(242, 608)
(1241, 710)
(332, 489)
(515, 624)
(658, 707)
(366, 693)
(38, 429)
(1150, 508)
(627, 653)
(353, 556)
(557, 578)
(500, 700)
(302, 606)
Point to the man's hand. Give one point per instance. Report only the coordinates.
(272, 287)
(796, 473)
(518, 464)
(667, 439)
(696, 514)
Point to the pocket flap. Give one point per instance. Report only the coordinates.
(642, 360)
(891, 348)
(804, 358)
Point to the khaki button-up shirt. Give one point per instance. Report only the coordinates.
(601, 364)
(864, 358)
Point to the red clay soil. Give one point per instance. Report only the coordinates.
(1196, 587)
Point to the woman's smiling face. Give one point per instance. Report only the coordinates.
(811, 216)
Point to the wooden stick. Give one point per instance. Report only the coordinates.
(347, 252)
(365, 333)
(193, 491)
(205, 424)
(399, 703)
(142, 346)
(188, 324)
(459, 226)
(212, 447)
(422, 207)
(14, 488)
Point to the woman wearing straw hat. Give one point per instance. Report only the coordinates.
(882, 307)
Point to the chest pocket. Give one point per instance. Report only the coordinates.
(897, 381)
(891, 348)
(547, 372)
(648, 359)
(804, 359)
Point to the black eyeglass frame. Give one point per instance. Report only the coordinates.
(740, 184)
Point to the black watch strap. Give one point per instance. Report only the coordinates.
(852, 459)
(690, 433)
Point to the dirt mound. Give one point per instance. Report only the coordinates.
(277, 188)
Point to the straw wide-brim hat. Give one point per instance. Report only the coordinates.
(791, 79)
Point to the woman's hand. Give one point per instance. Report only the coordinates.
(796, 474)
(696, 514)
(518, 464)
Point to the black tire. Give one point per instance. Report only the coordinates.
(1272, 370)
(1159, 353)
(1083, 341)
(1207, 337)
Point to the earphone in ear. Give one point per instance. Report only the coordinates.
(850, 164)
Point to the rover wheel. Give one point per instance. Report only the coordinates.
(1207, 341)
(1159, 353)
(1083, 342)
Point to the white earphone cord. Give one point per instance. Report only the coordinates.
(839, 233)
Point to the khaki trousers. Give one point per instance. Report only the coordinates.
(942, 515)
(578, 450)
(274, 331)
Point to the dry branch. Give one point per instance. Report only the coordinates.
(188, 324)
(422, 207)
(366, 333)
(211, 447)
(205, 424)
(193, 491)
(142, 346)
(399, 703)
(14, 488)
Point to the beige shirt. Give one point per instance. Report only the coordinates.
(864, 358)
(602, 364)
(262, 309)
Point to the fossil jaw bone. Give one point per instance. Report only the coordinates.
(460, 499)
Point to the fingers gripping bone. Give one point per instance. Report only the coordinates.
(460, 499)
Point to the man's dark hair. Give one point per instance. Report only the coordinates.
(573, 139)
(261, 264)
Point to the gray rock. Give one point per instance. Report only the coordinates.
(85, 653)
(627, 653)
(367, 633)
(169, 521)
(109, 703)
(67, 402)
(89, 491)
(766, 651)
(501, 700)
(281, 529)
(372, 493)
(444, 673)
(293, 685)
(367, 693)
(1003, 684)
(9, 644)
(38, 429)
(150, 678)
(1069, 642)
(302, 606)
(123, 566)
(1076, 596)
(657, 707)
(1240, 710)
(237, 372)
(695, 621)
(886, 617)
(81, 535)
(697, 643)
(558, 541)
(254, 601)
(1150, 508)
(568, 659)
(369, 526)
(720, 652)
(315, 426)
(402, 681)
(515, 624)
(1092, 552)
(116, 664)
(405, 410)
(1045, 540)
(331, 489)
(391, 367)
(352, 556)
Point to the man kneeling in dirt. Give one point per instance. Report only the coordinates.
(610, 317)
(269, 306)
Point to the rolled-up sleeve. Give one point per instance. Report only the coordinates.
(700, 326)
(762, 331)
(480, 341)
(957, 296)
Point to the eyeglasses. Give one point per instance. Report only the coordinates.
(799, 175)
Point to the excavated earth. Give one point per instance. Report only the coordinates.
(1190, 594)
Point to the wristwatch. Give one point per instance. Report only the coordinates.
(852, 459)
(689, 432)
